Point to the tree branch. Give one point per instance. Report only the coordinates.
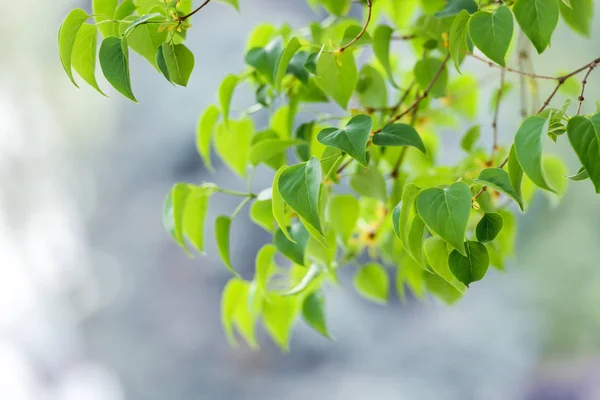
(362, 32)
(195, 11)
(583, 84)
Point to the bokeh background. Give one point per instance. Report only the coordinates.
(97, 303)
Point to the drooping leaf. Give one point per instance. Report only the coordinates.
(261, 213)
(489, 227)
(222, 233)
(146, 40)
(104, 10)
(470, 138)
(290, 50)
(67, 36)
(195, 212)
(114, 60)
(446, 212)
(204, 134)
(579, 15)
(226, 93)
(352, 139)
(265, 267)
(232, 143)
(538, 19)
(300, 188)
(492, 32)
(581, 175)
(585, 139)
(499, 179)
(294, 250)
(370, 182)
(343, 212)
(313, 313)
(399, 135)
(459, 34)
(279, 315)
(235, 312)
(337, 76)
(381, 47)
(472, 266)
(372, 282)
(84, 55)
(515, 172)
(279, 205)
(437, 253)
(528, 149)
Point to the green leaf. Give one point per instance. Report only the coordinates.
(352, 139)
(425, 71)
(579, 15)
(528, 149)
(499, 179)
(222, 233)
(458, 37)
(143, 20)
(313, 313)
(446, 212)
(269, 148)
(173, 211)
(84, 55)
(581, 175)
(399, 135)
(114, 60)
(265, 267)
(204, 134)
(290, 49)
(300, 188)
(401, 214)
(308, 281)
(279, 315)
(266, 59)
(336, 7)
(146, 40)
(232, 144)
(226, 94)
(381, 47)
(415, 241)
(538, 19)
(179, 62)
(103, 9)
(343, 212)
(515, 172)
(489, 227)
(337, 76)
(454, 7)
(472, 266)
(293, 249)
(371, 88)
(235, 311)
(279, 205)
(233, 3)
(261, 213)
(369, 182)
(442, 289)
(585, 140)
(470, 138)
(437, 253)
(372, 282)
(492, 33)
(67, 35)
(196, 210)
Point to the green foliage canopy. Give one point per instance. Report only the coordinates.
(395, 76)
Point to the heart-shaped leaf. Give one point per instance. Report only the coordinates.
(372, 282)
(352, 139)
(538, 19)
(300, 187)
(489, 227)
(492, 32)
(458, 38)
(528, 149)
(399, 135)
(313, 313)
(446, 212)
(472, 266)
(499, 179)
(437, 253)
(114, 60)
(292, 250)
(381, 47)
(337, 76)
(585, 140)
(222, 233)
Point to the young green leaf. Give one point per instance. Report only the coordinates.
(489, 227)
(352, 139)
(437, 253)
(415, 241)
(290, 49)
(381, 47)
(300, 188)
(232, 143)
(579, 15)
(67, 36)
(425, 71)
(492, 32)
(459, 34)
(370, 182)
(528, 149)
(146, 40)
(446, 212)
(204, 134)
(226, 94)
(581, 175)
(265, 267)
(399, 135)
(472, 266)
(294, 250)
(401, 214)
(499, 179)
(371, 89)
(515, 173)
(235, 311)
(196, 210)
(179, 62)
(538, 19)
(222, 233)
(266, 149)
(372, 282)
(173, 212)
(266, 59)
(343, 212)
(114, 60)
(233, 3)
(313, 313)
(279, 315)
(470, 138)
(84, 55)
(104, 10)
(585, 140)
(261, 213)
(279, 205)
(337, 76)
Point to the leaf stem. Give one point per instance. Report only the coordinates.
(195, 11)
(236, 193)
(240, 207)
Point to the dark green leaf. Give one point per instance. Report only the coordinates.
(585, 140)
(498, 179)
(472, 266)
(294, 250)
(352, 139)
(114, 60)
(538, 19)
(492, 33)
(399, 135)
(489, 227)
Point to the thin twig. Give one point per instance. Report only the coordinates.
(516, 71)
(362, 32)
(496, 114)
(195, 11)
(583, 84)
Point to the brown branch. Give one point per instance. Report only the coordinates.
(516, 71)
(496, 114)
(344, 166)
(362, 32)
(195, 11)
(583, 84)
(420, 98)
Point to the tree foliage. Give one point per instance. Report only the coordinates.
(363, 186)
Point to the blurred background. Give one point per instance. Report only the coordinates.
(98, 303)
